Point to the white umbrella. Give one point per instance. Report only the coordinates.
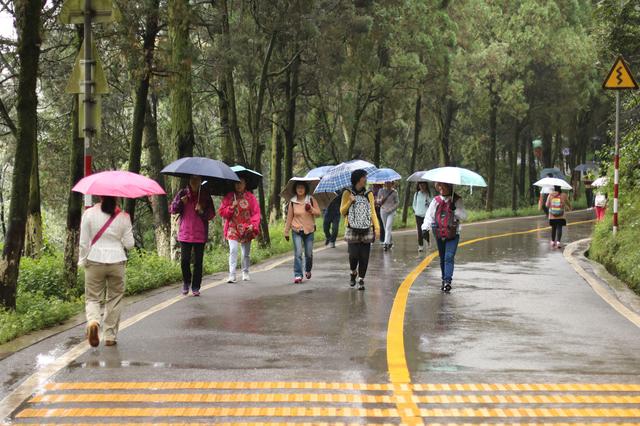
(417, 177)
(553, 182)
(601, 181)
(323, 198)
(455, 176)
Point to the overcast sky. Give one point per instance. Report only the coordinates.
(6, 25)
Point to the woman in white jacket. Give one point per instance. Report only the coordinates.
(444, 215)
(105, 234)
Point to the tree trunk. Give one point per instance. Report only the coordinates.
(523, 166)
(532, 173)
(446, 122)
(34, 242)
(514, 166)
(159, 203)
(377, 146)
(142, 93)
(226, 142)
(417, 128)
(28, 27)
(291, 92)
(493, 143)
(276, 169)
(547, 147)
(258, 146)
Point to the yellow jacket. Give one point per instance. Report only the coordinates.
(346, 203)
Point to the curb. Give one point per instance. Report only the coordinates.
(622, 299)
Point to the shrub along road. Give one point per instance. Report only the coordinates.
(518, 317)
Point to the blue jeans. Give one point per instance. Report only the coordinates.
(447, 252)
(302, 242)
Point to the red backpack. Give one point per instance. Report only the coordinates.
(446, 226)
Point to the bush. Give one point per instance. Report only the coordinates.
(147, 271)
(43, 275)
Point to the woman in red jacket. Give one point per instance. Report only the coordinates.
(241, 212)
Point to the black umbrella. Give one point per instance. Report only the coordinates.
(216, 173)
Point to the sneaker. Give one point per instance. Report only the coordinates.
(447, 287)
(352, 281)
(361, 284)
(185, 291)
(552, 243)
(558, 244)
(386, 247)
(420, 249)
(333, 244)
(245, 276)
(297, 280)
(93, 334)
(307, 275)
(231, 279)
(326, 243)
(196, 293)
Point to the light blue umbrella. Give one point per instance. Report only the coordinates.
(319, 172)
(383, 176)
(455, 176)
(554, 172)
(339, 177)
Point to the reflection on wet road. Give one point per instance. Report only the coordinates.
(521, 337)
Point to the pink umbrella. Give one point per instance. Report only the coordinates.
(118, 184)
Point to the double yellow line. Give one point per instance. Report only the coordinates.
(396, 359)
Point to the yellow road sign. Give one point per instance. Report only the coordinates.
(620, 77)
(103, 11)
(75, 85)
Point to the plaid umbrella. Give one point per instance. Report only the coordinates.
(339, 177)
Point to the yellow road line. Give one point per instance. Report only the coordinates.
(219, 385)
(396, 358)
(523, 387)
(244, 424)
(208, 412)
(534, 412)
(336, 398)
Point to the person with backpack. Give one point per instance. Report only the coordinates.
(359, 209)
(443, 216)
(557, 203)
(105, 235)
(301, 222)
(241, 212)
(195, 208)
(421, 201)
(388, 200)
(331, 221)
(601, 201)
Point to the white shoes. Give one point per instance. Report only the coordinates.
(421, 248)
(245, 276)
(231, 279)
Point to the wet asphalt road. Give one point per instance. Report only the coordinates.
(518, 314)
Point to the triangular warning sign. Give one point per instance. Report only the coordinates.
(77, 75)
(620, 77)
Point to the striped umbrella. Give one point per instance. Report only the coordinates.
(339, 177)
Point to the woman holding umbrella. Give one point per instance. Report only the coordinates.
(421, 201)
(557, 203)
(241, 212)
(105, 235)
(301, 222)
(195, 207)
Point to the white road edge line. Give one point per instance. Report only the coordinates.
(37, 380)
(597, 287)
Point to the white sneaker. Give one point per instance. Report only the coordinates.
(420, 248)
(245, 276)
(231, 279)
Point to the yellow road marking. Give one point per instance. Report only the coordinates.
(219, 385)
(396, 358)
(209, 412)
(336, 398)
(533, 412)
(523, 387)
(342, 424)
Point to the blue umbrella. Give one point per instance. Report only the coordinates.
(383, 176)
(339, 177)
(319, 172)
(554, 172)
(583, 168)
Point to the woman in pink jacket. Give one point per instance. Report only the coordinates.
(241, 212)
(195, 207)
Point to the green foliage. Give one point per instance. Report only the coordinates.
(147, 271)
(43, 275)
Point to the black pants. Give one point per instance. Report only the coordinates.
(419, 222)
(190, 280)
(382, 234)
(556, 229)
(359, 257)
(331, 226)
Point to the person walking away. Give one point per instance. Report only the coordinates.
(241, 212)
(544, 194)
(195, 208)
(331, 223)
(444, 215)
(301, 223)
(421, 201)
(601, 202)
(105, 235)
(557, 203)
(376, 189)
(388, 200)
(359, 209)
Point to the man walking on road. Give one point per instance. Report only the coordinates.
(331, 223)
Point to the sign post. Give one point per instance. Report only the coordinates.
(619, 78)
(87, 80)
